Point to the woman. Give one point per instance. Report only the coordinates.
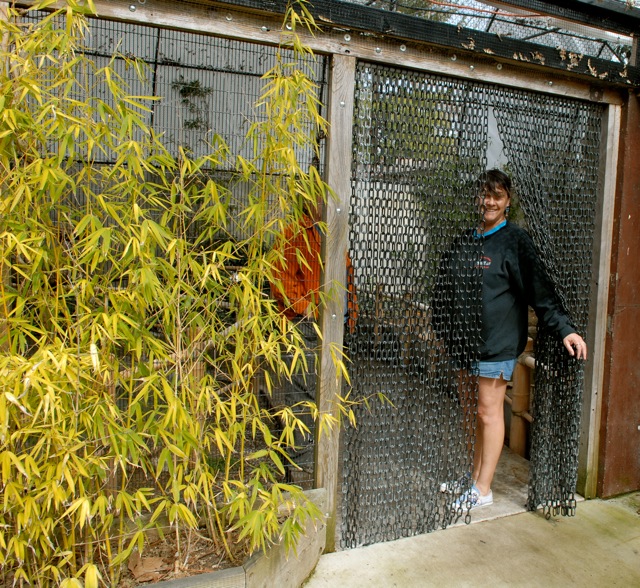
(504, 258)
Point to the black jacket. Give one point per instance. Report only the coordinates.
(483, 290)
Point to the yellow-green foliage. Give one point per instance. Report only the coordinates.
(127, 346)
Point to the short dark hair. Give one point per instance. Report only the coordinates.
(494, 178)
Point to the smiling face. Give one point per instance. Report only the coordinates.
(493, 203)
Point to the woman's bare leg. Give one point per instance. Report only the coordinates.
(468, 390)
(490, 431)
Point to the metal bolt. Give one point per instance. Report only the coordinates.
(289, 27)
(229, 17)
(403, 47)
(342, 103)
(550, 83)
(338, 210)
(454, 57)
(378, 50)
(347, 37)
(499, 66)
(132, 7)
(472, 67)
(264, 29)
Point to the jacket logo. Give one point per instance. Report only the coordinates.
(484, 263)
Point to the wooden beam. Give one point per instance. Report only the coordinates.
(597, 330)
(619, 458)
(356, 20)
(265, 29)
(608, 15)
(394, 25)
(338, 174)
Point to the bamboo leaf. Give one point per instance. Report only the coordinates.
(92, 576)
(13, 400)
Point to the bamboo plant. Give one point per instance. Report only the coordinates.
(129, 347)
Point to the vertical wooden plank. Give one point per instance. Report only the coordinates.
(338, 174)
(4, 8)
(619, 434)
(596, 337)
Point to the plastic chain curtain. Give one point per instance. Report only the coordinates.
(420, 143)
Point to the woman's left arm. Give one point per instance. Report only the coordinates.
(544, 300)
(575, 346)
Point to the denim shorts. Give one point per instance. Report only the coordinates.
(494, 369)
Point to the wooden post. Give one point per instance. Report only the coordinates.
(340, 118)
(521, 399)
(601, 281)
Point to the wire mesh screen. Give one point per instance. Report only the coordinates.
(523, 24)
(207, 87)
(204, 87)
(420, 143)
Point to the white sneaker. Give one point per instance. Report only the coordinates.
(458, 485)
(473, 499)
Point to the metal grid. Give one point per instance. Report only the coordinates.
(209, 86)
(420, 141)
(206, 86)
(516, 24)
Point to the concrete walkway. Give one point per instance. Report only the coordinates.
(599, 547)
